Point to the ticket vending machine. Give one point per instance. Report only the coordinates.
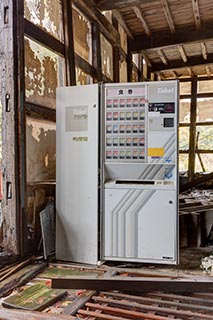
(117, 165)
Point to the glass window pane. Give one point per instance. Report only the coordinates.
(82, 77)
(204, 109)
(106, 57)
(205, 138)
(184, 138)
(183, 162)
(123, 38)
(82, 36)
(46, 14)
(44, 71)
(184, 111)
(40, 150)
(207, 160)
(185, 87)
(205, 86)
(136, 58)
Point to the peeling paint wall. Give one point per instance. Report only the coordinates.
(82, 36)
(40, 150)
(44, 71)
(46, 14)
(8, 153)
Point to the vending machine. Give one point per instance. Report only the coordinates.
(117, 172)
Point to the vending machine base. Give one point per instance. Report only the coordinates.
(139, 224)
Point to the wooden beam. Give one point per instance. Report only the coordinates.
(162, 57)
(40, 112)
(208, 71)
(190, 72)
(90, 10)
(85, 66)
(176, 64)
(182, 53)
(140, 16)
(196, 12)
(204, 50)
(118, 4)
(137, 284)
(122, 22)
(164, 38)
(168, 15)
(36, 33)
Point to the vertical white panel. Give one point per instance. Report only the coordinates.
(77, 174)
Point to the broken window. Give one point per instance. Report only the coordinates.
(205, 86)
(183, 162)
(207, 161)
(41, 168)
(46, 15)
(204, 109)
(184, 138)
(82, 36)
(40, 150)
(44, 72)
(185, 87)
(82, 77)
(106, 57)
(184, 111)
(205, 140)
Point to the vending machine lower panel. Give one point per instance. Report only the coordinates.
(140, 225)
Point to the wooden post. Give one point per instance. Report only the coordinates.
(129, 63)
(192, 133)
(69, 42)
(96, 51)
(11, 102)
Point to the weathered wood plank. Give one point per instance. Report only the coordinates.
(162, 39)
(116, 4)
(135, 284)
(6, 314)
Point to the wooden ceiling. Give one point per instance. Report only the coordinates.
(174, 36)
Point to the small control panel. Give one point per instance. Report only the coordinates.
(125, 117)
(162, 107)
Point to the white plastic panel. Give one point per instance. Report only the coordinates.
(140, 225)
(77, 174)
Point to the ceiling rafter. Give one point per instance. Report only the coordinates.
(118, 4)
(182, 53)
(161, 39)
(176, 64)
(204, 50)
(196, 12)
(190, 72)
(168, 15)
(140, 16)
(162, 57)
(122, 22)
(208, 71)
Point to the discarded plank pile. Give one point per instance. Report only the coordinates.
(155, 298)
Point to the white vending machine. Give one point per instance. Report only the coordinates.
(117, 172)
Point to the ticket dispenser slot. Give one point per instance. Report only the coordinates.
(138, 182)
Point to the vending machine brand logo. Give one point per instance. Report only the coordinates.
(80, 113)
(165, 90)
